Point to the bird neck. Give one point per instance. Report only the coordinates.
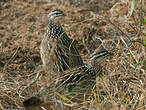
(54, 29)
(53, 20)
(95, 64)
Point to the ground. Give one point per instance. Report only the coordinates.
(23, 24)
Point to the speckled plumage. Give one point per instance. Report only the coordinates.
(74, 84)
(57, 48)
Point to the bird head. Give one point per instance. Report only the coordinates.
(98, 55)
(56, 14)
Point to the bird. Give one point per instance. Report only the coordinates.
(57, 50)
(73, 85)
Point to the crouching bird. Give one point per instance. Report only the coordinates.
(72, 87)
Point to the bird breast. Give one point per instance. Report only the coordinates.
(47, 52)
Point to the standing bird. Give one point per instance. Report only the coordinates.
(75, 85)
(57, 49)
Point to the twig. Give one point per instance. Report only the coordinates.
(36, 78)
(102, 42)
(43, 108)
(119, 29)
(129, 49)
(11, 58)
(2, 108)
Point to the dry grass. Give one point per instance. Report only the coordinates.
(123, 83)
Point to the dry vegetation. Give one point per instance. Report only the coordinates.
(123, 83)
